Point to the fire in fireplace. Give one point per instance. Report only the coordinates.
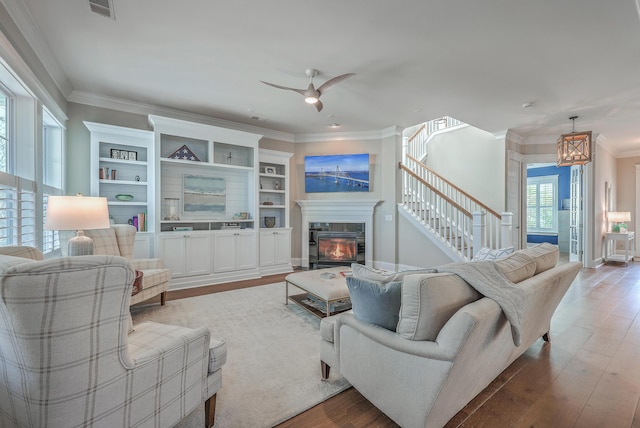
(336, 247)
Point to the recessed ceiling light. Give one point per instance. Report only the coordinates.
(527, 104)
(334, 125)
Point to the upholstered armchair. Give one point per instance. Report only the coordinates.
(118, 241)
(67, 357)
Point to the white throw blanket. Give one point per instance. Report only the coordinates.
(489, 281)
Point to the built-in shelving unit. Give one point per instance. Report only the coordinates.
(275, 231)
(121, 164)
(206, 179)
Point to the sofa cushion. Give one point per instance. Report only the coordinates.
(375, 302)
(152, 277)
(428, 301)
(517, 266)
(546, 256)
(486, 253)
(364, 272)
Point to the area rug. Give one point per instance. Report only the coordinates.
(273, 366)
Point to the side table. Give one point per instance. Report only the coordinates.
(137, 283)
(610, 252)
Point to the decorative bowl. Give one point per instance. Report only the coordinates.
(122, 197)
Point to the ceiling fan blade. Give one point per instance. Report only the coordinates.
(318, 105)
(326, 85)
(300, 91)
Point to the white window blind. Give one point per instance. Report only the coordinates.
(542, 204)
(17, 211)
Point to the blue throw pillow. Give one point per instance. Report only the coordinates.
(375, 302)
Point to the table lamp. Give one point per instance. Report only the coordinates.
(618, 218)
(77, 213)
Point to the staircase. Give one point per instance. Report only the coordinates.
(455, 221)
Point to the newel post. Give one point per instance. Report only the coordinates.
(506, 229)
(478, 231)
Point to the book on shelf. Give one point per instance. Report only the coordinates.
(346, 273)
(231, 225)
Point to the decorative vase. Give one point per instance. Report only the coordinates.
(270, 222)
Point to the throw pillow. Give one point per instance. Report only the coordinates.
(546, 256)
(489, 254)
(429, 301)
(374, 302)
(517, 266)
(378, 275)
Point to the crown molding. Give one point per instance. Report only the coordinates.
(501, 135)
(147, 109)
(510, 135)
(23, 19)
(135, 107)
(391, 131)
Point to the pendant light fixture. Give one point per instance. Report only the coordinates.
(574, 148)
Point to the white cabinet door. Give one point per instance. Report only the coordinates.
(234, 251)
(275, 247)
(282, 252)
(224, 252)
(142, 246)
(198, 254)
(246, 251)
(267, 248)
(173, 255)
(186, 254)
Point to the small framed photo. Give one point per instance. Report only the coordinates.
(133, 155)
(115, 154)
(269, 170)
(124, 155)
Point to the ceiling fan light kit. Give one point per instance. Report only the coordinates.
(311, 94)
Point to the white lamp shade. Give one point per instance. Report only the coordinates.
(77, 213)
(619, 216)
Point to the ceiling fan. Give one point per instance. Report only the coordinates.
(311, 94)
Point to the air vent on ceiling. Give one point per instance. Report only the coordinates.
(103, 7)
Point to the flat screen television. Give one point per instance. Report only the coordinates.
(336, 173)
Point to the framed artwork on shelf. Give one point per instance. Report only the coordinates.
(124, 155)
(269, 170)
(204, 196)
(133, 156)
(115, 154)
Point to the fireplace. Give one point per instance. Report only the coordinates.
(337, 247)
(336, 244)
(355, 216)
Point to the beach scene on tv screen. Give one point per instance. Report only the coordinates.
(336, 173)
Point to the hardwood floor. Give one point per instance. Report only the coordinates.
(588, 376)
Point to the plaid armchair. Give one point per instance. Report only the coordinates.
(118, 241)
(67, 359)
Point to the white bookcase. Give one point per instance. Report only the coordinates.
(274, 212)
(121, 169)
(210, 176)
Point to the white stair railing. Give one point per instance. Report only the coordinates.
(462, 222)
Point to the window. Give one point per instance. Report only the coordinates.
(4, 131)
(542, 204)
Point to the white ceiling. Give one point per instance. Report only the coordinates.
(415, 60)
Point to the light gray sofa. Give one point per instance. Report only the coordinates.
(450, 341)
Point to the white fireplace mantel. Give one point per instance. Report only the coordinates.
(338, 211)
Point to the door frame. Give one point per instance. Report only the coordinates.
(587, 204)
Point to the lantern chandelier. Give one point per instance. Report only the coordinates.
(574, 148)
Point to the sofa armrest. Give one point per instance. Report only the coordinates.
(142, 264)
(22, 251)
(151, 341)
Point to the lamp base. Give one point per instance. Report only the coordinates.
(80, 245)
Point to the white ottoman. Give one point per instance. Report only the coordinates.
(328, 286)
